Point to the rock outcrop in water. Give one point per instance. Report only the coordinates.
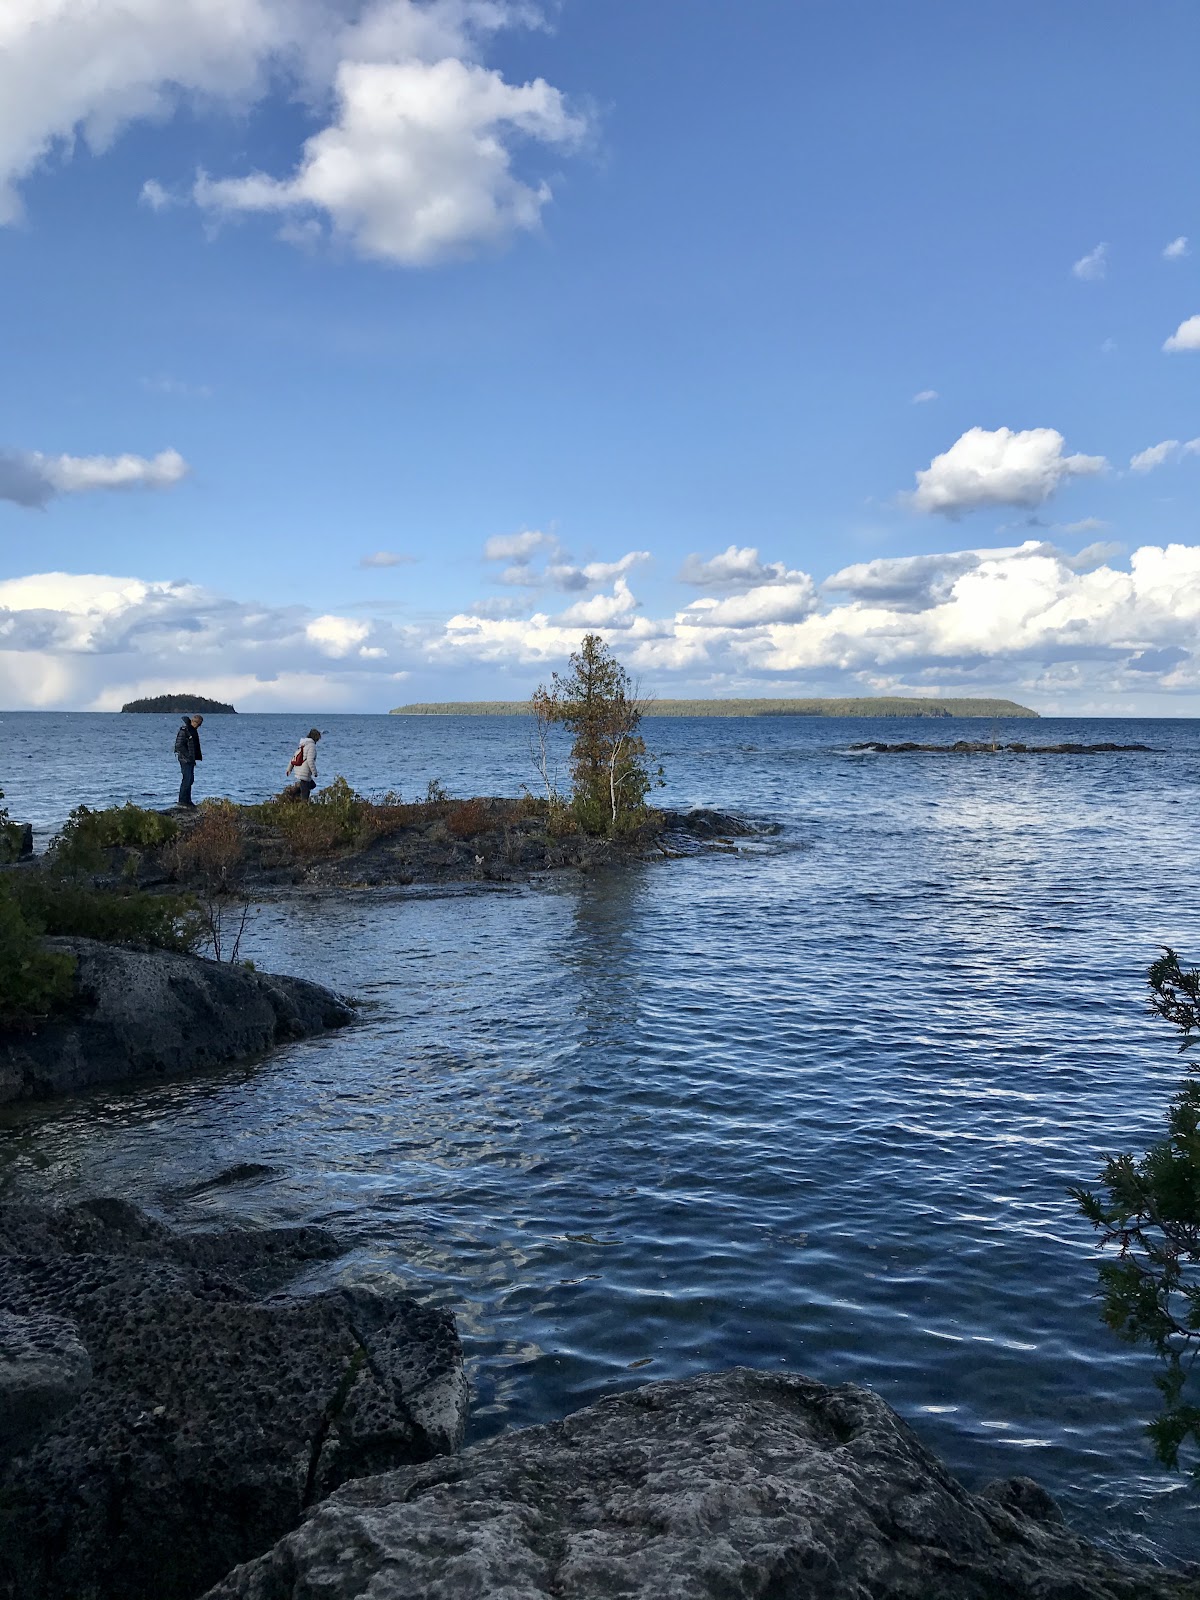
(157, 1014)
(161, 1421)
(739, 1484)
(983, 747)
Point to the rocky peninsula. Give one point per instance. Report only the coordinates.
(344, 843)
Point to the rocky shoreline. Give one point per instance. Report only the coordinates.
(168, 1411)
(157, 1014)
(740, 1483)
(176, 1420)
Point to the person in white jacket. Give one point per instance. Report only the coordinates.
(303, 765)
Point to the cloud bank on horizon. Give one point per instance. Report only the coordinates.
(1027, 620)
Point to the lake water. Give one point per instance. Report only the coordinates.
(811, 1107)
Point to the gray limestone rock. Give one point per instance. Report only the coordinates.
(157, 1014)
(43, 1370)
(213, 1417)
(737, 1485)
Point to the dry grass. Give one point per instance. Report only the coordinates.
(214, 848)
(467, 818)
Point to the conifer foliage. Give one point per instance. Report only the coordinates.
(599, 704)
(1148, 1208)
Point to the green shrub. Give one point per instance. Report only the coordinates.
(87, 834)
(10, 835)
(74, 910)
(34, 981)
(1148, 1209)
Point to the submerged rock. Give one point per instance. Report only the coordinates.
(739, 1484)
(156, 1014)
(985, 747)
(171, 1423)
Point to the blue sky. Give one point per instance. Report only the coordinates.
(622, 289)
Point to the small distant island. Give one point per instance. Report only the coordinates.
(875, 706)
(182, 703)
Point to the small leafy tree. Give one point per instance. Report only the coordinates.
(210, 857)
(1148, 1209)
(602, 707)
(544, 719)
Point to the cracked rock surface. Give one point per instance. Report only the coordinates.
(736, 1485)
(174, 1422)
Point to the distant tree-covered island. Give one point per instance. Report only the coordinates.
(874, 706)
(182, 703)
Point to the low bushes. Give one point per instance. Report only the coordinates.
(75, 910)
(86, 834)
(335, 818)
(339, 818)
(33, 980)
(466, 818)
(10, 835)
(213, 849)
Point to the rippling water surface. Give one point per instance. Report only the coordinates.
(813, 1106)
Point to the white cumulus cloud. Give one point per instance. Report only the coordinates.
(29, 478)
(601, 610)
(518, 547)
(1155, 455)
(999, 467)
(337, 636)
(765, 605)
(1093, 265)
(538, 561)
(418, 160)
(1177, 249)
(738, 566)
(907, 583)
(1186, 336)
(417, 165)
(73, 69)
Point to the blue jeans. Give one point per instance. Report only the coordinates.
(187, 772)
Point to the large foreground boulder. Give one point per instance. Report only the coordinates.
(156, 1014)
(738, 1485)
(161, 1421)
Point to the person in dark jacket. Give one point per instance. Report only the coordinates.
(188, 752)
